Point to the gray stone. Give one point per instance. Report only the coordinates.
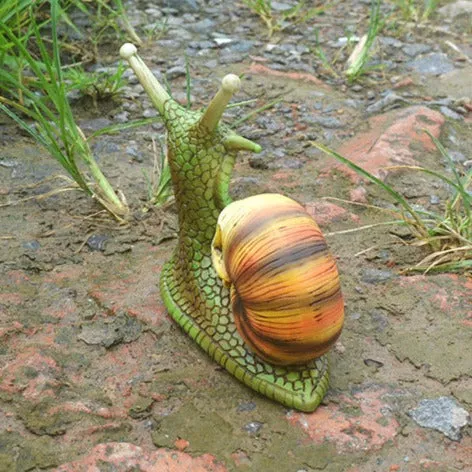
(201, 44)
(94, 124)
(203, 26)
(258, 161)
(388, 101)
(324, 121)
(373, 363)
(154, 12)
(175, 72)
(181, 34)
(454, 85)
(97, 242)
(8, 162)
(379, 320)
(376, 276)
(413, 50)
(229, 57)
(457, 156)
(351, 103)
(341, 42)
(242, 45)
(211, 64)
(105, 147)
(443, 414)
(182, 5)
(388, 41)
(110, 331)
(280, 6)
(169, 44)
(246, 406)
(222, 41)
(133, 151)
(461, 7)
(450, 113)
(432, 64)
(32, 245)
(149, 113)
(122, 117)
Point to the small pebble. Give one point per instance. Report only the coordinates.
(376, 276)
(122, 117)
(31, 245)
(432, 64)
(246, 406)
(253, 427)
(97, 242)
(175, 72)
(149, 113)
(450, 113)
(373, 363)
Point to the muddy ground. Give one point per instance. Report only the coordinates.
(95, 376)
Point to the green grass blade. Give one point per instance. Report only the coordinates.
(457, 186)
(55, 42)
(358, 65)
(249, 115)
(456, 266)
(188, 83)
(29, 129)
(359, 170)
(124, 126)
(461, 188)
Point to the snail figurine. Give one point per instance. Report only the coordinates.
(251, 282)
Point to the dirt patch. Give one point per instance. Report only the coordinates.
(95, 374)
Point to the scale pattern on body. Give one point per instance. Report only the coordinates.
(201, 161)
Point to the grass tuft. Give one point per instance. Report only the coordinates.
(280, 20)
(360, 56)
(418, 11)
(38, 103)
(448, 235)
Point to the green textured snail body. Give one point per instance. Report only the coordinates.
(285, 291)
(210, 302)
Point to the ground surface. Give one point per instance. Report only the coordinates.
(95, 376)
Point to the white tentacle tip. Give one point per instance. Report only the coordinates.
(231, 83)
(128, 50)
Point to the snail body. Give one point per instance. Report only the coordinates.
(201, 153)
(285, 292)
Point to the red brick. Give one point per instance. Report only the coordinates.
(326, 212)
(369, 430)
(260, 69)
(124, 457)
(389, 140)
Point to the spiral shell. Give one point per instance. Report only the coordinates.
(285, 291)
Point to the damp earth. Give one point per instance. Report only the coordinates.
(94, 375)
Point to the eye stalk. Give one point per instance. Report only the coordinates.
(154, 89)
(229, 86)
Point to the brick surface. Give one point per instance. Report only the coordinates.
(124, 457)
(391, 140)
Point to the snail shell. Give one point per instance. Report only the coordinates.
(285, 291)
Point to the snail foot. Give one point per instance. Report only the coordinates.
(299, 387)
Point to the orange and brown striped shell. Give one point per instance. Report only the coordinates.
(285, 290)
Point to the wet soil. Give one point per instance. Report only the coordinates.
(89, 355)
